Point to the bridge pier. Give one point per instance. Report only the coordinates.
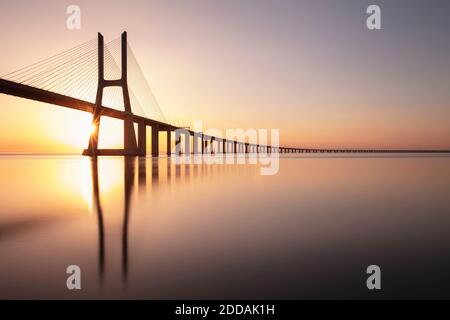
(129, 137)
(195, 143)
(130, 145)
(187, 143)
(169, 142)
(202, 140)
(211, 145)
(142, 139)
(177, 143)
(205, 145)
(155, 141)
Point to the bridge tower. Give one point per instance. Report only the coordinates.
(129, 136)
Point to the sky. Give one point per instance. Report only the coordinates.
(309, 68)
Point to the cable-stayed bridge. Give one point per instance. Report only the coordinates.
(105, 79)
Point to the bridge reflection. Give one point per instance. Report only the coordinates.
(162, 171)
(129, 172)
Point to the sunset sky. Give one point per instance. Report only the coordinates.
(307, 67)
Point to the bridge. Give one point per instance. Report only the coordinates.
(67, 79)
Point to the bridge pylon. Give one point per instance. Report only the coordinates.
(129, 136)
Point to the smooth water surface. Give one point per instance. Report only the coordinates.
(146, 228)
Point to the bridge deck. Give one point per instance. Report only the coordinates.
(27, 92)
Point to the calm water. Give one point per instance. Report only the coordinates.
(154, 230)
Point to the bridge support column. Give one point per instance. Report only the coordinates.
(177, 143)
(142, 139)
(92, 149)
(129, 137)
(195, 143)
(235, 147)
(202, 142)
(224, 146)
(130, 145)
(155, 141)
(187, 143)
(169, 142)
(212, 145)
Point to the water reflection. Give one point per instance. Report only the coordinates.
(129, 169)
(149, 228)
(101, 226)
(161, 169)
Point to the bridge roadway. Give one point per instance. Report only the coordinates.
(27, 92)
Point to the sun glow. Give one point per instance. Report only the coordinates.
(110, 178)
(93, 129)
(75, 132)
